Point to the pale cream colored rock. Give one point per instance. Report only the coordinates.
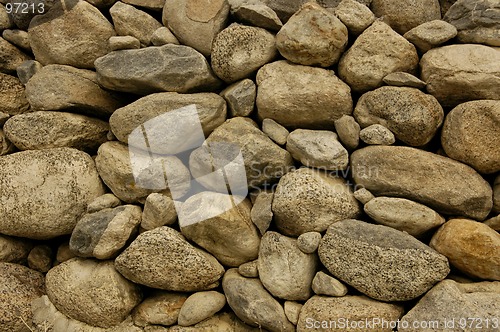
(103, 202)
(163, 36)
(223, 322)
(348, 131)
(240, 97)
(249, 269)
(117, 43)
(275, 131)
(493, 222)
(292, 311)
(159, 210)
(402, 79)
(160, 308)
(376, 134)
(5, 20)
(200, 306)
(261, 213)
(355, 15)
(18, 38)
(309, 242)
(430, 34)
(257, 14)
(324, 284)
(156, 5)
(363, 195)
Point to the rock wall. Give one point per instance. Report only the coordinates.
(249, 165)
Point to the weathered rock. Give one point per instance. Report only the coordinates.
(6, 146)
(168, 112)
(292, 311)
(239, 51)
(5, 20)
(200, 306)
(19, 286)
(493, 222)
(317, 148)
(431, 34)
(355, 15)
(73, 33)
(12, 95)
(91, 292)
(450, 301)
(249, 269)
(45, 130)
(163, 36)
(160, 308)
(472, 247)
(284, 270)
(324, 284)
(404, 215)
(225, 321)
(104, 233)
(460, 73)
(364, 256)
(17, 37)
(308, 242)
(365, 64)
(27, 69)
(476, 21)
(225, 229)
(301, 96)
(253, 304)
(471, 134)
(130, 21)
(171, 67)
(377, 134)
(275, 131)
(441, 183)
(413, 116)
(403, 79)
(363, 195)
(40, 258)
(255, 13)
(162, 258)
(319, 311)
(156, 5)
(348, 131)
(240, 97)
(312, 36)
(133, 184)
(403, 15)
(310, 200)
(14, 250)
(103, 202)
(3, 118)
(10, 57)
(117, 43)
(45, 206)
(496, 195)
(261, 213)
(159, 210)
(64, 253)
(196, 22)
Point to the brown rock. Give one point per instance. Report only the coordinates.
(10, 57)
(430, 34)
(12, 95)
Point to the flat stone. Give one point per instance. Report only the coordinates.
(117, 43)
(200, 306)
(309, 242)
(364, 255)
(376, 134)
(348, 131)
(103, 202)
(298, 96)
(12, 96)
(14, 250)
(10, 57)
(324, 284)
(365, 64)
(441, 183)
(170, 67)
(261, 213)
(471, 247)
(355, 15)
(310, 200)
(256, 14)
(159, 210)
(240, 97)
(17, 37)
(160, 308)
(163, 36)
(460, 73)
(471, 134)
(430, 34)
(275, 131)
(403, 79)
(162, 258)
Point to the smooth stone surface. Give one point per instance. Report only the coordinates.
(413, 116)
(430, 34)
(365, 64)
(275, 131)
(460, 73)
(249, 269)
(162, 258)
(163, 36)
(364, 255)
(255, 13)
(496, 194)
(472, 247)
(10, 57)
(348, 131)
(376, 134)
(156, 5)
(12, 96)
(240, 97)
(363, 195)
(292, 311)
(310, 200)
(262, 213)
(18, 38)
(13, 249)
(441, 183)
(355, 15)
(493, 223)
(103, 202)
(403, 79)
(45, 206)
(298, 96)
(324, 284)
(159, 210)
(117, 43)
(309, 242)
(160, 308)
(471, 134)
(225, 321)
(200, 306)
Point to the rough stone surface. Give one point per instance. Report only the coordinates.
(239, 51)
(117, 43)
(18, 38)
(163, 36)
(14, 250)
(27, 69)
(5, 20)
(240, 97)
(308, 242)
(255, 13)
(159, 210)
(324, 284)
(10, 57)
(443, 184)
(471, 134)
(253, 304)
(363, 195)
(261, 213)
(364, 255)
(6, 146)
(12, 95)
(103, 202)
(348, 131)
(160, 308)
(460, 73)
(156, 5)
(309, 200)
(64, 253)
(355, 15)
(496, 195)
(376, 134)
(275, 131)
(493, 223)
(249, 269)
(430, 34)
(413, 116)
(292, 311)
(365, 64)
(40, 258)
(200, 306)
(225, 321)
(301, 96)
(403, 79)
(472, 247)
(162, 258)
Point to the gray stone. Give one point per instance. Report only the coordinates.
(348, 131)
(17, 37)
(312, 36)
(10, 57)
(92, 292)
(74, 37)
(103, 234)
(403, 15)
(45, 206)
(163, 36)
(404, 215)
(430, 34)
(45, 130)
(12, 96)
(253, 304)
(301, 96)
(365, 64)
(196, 23)
(130, 21)
(471, 134)
(308, 242)
(472, 247)
(40, 258)
(355, 16)
(441, 183)
(257, 14)
(363, 195)
(477, 21)
(292, 311)
(376, 134)
(160, 308)
(402, 79)
(14, 250)
(249, 269)
(239, 51)
(275, 131)
(284, 270)
(26, 70)
(23, 18)
(200, 306)
(364, 256)
(6, 146)
(324, 284)
(310, 200)
(159, 210)
(460, 73)
(174, 68)
(261, 213)
(117, 43)
(240, 97)
(317, 148)
(162, 258)
(103, 202)
(59, 87)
